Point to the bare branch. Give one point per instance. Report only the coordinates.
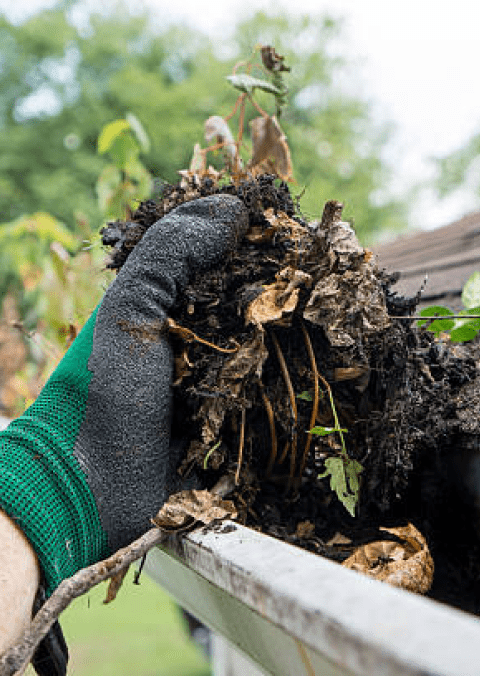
(17, 657)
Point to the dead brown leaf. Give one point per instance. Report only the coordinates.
(347, 301)
(246, 362)
(278, 301)
(408, 565)
(257, 235)
(350, 372)
(270, 152)
(183, 367)
(186, 508)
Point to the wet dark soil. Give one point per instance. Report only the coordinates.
(299, 298)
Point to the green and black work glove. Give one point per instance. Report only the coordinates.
(84, 469)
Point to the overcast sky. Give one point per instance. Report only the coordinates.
(418, 59)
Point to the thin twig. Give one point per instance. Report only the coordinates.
(440, 317)
(273, 434)
(255, 105)
(241, 121)
(17, 657)
(293, 404)
(283, 454)
(216, 146)
(316, 397)
(189, 336)
(241, 444)
(235, 108)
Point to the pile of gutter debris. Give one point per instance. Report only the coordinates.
(329, 417)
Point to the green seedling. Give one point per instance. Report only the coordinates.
(344, 472)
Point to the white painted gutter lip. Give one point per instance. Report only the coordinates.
(332, 609)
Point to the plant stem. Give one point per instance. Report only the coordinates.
(335, 416)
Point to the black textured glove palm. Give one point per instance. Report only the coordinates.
(88, 464)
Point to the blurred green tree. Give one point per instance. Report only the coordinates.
(60, 84)
(459, 168)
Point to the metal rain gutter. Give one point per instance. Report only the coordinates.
(293, 612)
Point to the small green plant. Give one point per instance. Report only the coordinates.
(344, 472)
(269, 151)
(463, 326)
(274, 67)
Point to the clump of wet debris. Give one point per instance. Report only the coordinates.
(298, 329)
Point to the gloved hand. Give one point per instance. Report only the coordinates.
(84, 469)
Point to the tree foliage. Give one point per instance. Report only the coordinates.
(59, 85)
(460, 167)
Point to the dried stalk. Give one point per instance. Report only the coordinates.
(283, 454)
(316, 397)
(273, 434)
(235, 108)
(17, 657)
(257, 107)
(189, 337)
(241, 444)
(293, 404)
(241, 121)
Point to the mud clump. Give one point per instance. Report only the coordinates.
(299, 329)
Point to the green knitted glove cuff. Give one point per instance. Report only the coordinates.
(42, 486)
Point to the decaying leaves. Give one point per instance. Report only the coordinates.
(408, 565)
(278, 301)
(187, 508)
(270, 150)
(271, 60)
(348, 302)
(362, 352)
(247, 362)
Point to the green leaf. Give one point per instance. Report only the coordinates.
(471, 291)
(107, 184)
(305, 396)
(437, 326)
(124, 150)
(247, 83)
(461, 334)
(321, 431)
(139, 131)
(353, 469)
(335, 470)
(109, 133)
(60, 263)
(344, 473)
